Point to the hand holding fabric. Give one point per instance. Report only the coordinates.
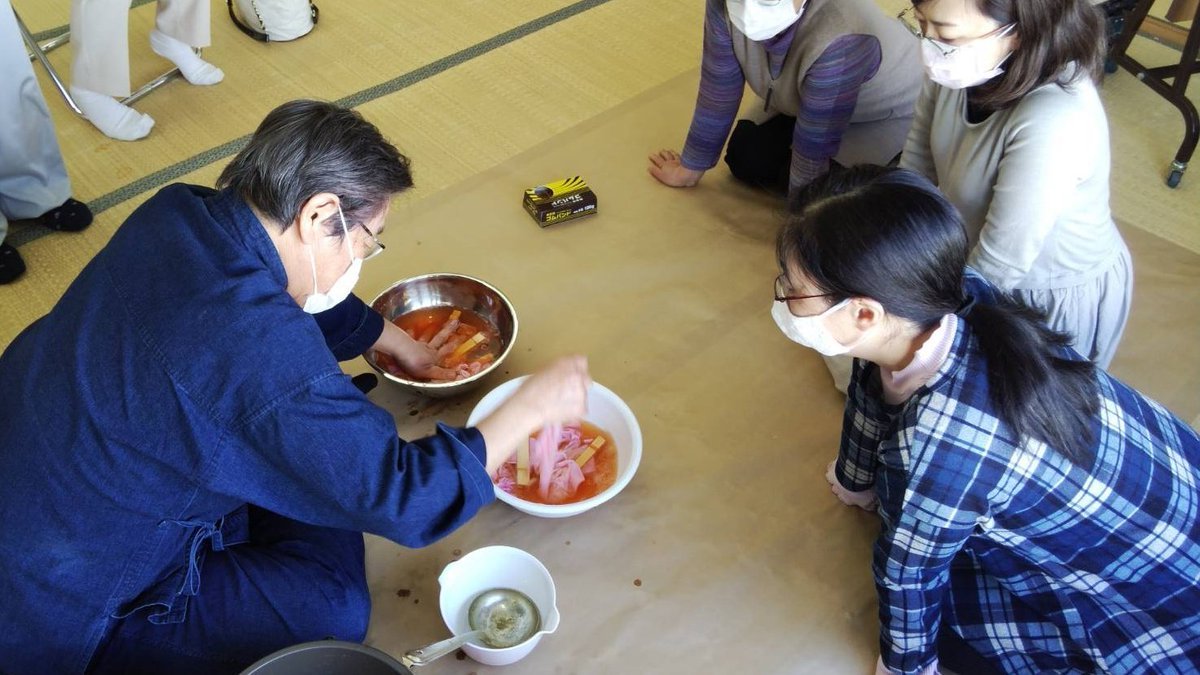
(418, 358)
(556, 394)
(865, 499)
(421, 360)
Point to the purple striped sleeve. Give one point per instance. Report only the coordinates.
(721, 86)
(827, 99)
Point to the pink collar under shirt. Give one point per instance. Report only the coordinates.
(900, 384)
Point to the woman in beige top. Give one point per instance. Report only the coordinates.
(1010, 127)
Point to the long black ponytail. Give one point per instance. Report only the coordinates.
(888, 234)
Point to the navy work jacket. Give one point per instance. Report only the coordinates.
(173, 383)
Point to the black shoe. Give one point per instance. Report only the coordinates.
(11, 265)
(365, 382)
(71, 216)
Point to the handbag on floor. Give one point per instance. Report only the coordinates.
(273, 20)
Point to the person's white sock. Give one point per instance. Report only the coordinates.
(112, 117)
(194, 68)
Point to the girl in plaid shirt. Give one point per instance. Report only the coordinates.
(1034, 509)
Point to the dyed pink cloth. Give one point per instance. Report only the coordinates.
(552, 454)
(543, 455)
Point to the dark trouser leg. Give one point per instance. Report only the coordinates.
(290, 583)
(958, 655)
(761, 154)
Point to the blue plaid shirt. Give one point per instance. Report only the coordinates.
(1044, 566)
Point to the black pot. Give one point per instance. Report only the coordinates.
(327, 657)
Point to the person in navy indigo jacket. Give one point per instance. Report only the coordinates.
(185, 470)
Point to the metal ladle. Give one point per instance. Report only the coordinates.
(500, 618)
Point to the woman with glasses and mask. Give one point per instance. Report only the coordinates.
(185, 470)
(838, 79)
(1038, 516)
(1010, 127)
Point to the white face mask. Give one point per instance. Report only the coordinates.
(762, 22)
(318, 302)
(962, 66)
(810, 331)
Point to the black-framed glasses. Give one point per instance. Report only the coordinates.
(781, 291)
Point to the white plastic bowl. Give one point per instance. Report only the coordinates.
(605, 410)
(496, 567)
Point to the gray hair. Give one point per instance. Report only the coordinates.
(304, 148)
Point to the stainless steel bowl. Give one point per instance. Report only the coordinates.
(455, 290)
(327, 657)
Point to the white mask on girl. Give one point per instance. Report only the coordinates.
(962, 66)
(318, 302)
(762, 22)
(810, 331)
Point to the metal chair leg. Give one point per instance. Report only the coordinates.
(38, 51)
(153, 84)
(55, 42)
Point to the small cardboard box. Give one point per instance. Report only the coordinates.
(560, 201)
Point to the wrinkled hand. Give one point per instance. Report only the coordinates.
(666, 167)
(415, 358)
(420, 360)
(557, 394)
(865, 499)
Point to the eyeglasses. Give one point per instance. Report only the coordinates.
(781, 291)
(908, 20)
(377, 246)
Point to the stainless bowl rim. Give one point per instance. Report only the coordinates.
(477, 376)
(325, 645)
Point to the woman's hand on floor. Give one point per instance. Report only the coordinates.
(865, 499)
(880, 669)
(666, 167)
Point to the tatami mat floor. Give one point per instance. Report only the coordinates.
(460, 86)
(566, 63)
